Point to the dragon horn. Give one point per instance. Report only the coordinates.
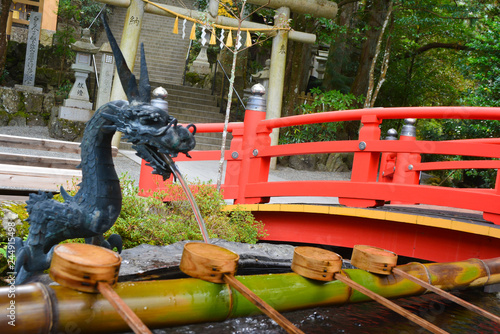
(144, 86)
(127, 78)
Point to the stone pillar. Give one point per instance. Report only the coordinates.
(31, 54)
(106, 78)
(78, 106)
(277, 75)
(128, 45)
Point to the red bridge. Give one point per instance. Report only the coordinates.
(383, 204)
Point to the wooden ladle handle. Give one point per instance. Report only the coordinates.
(123, 309)
(447, 295)
(262, 305)
(389, 304)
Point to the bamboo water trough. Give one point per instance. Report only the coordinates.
(41, 309)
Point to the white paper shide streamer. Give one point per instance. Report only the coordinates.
(203, 34)
(221, 38)
(184, 29)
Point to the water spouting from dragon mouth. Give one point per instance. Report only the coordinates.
(189, 195)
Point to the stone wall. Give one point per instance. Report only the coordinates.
(23, 108)
(20, 35)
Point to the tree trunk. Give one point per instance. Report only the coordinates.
(297, 69)
(340, 52)
(377, 14)
(4, 16)
(371, 96)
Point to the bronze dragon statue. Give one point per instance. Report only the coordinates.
(95, 207)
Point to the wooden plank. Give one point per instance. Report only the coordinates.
(31, 3)
(38, 161)
(39, 144)
(50, 145)
(36, 178)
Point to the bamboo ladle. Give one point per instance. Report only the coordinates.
(375, 259)
(93, 269)
(323, 265)
(218, 265)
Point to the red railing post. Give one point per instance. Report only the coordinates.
(404, 172)
(365, 164)
(252, 167)
(388, 160)
(494, 217)
(233, 164)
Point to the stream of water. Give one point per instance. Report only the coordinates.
(189, 194)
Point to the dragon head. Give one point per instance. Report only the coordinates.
(147, 125)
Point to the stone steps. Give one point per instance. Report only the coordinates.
(166, 58)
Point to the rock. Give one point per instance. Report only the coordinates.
(9, 100)
(144, 258)
(17, 121)
(64, 129)
(4, 118)
(338, 162)
(147, 261)
(22, 108)
(303, 162)
(10, 219)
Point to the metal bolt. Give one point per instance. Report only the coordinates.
(255, 152)
(235, 155)
(410, 167)
(362, 145)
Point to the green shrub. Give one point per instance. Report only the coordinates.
(323, 101)
(150, 220)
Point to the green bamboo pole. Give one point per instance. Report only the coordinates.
(184, 301)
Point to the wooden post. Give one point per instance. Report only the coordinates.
(277, 75)
(128, 46)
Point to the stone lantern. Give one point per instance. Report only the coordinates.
(78, 106)
(262, 77)
(200, 64)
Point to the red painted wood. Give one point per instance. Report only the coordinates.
(423, 242)
(387, 113)
(472, 199)
(365, 163)
(246, 173)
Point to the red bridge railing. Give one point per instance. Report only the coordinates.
(383, 170)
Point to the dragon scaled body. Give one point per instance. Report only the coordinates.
(95, 207)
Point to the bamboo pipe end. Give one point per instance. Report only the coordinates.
(82, 266)
(316, 263)
(208, 262)
(373, 259)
